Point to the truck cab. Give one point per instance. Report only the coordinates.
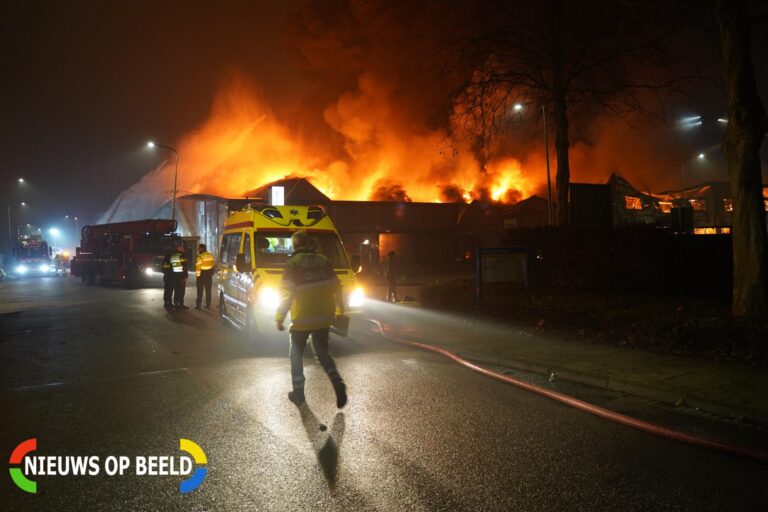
(254, 249)
(31, 256)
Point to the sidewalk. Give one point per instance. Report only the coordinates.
(728, 389)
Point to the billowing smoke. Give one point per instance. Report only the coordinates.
(374, 123)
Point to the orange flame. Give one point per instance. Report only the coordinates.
(384, 156)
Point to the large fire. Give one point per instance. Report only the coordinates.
(243, 145)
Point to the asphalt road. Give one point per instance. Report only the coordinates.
(105, 371)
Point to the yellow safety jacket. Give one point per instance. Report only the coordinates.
(179, 263)
(205, 261)
(310, 290)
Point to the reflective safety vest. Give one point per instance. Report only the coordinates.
(310, 290)
(167, 267)
(178, 262)
(205, 261)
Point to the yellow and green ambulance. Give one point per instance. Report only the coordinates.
(255, 246)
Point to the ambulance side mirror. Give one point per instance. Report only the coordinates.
(240, 264)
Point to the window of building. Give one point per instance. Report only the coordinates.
(719, 230)
(698, 205)
(665, 206)
(728, 204)
(633, 203)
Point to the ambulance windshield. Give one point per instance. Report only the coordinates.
(274, 248)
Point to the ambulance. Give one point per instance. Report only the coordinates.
(255, 246)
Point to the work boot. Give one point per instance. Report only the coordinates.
(181, 306)
(296, 396)
(168, 305)
(341, 393)
(197, 306)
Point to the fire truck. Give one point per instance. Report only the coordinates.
(31, 256)
(130, 253)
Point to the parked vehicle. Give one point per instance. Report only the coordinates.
(130, 253)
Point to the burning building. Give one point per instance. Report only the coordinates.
(424, 235)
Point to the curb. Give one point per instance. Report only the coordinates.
(728, 410)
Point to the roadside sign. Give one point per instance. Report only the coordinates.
(501, 264)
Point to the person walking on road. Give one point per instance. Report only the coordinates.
(167, 282)
(204, 273)
(392, 273)
(312, 292)
(180, 275)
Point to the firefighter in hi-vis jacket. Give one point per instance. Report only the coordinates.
(204, 273)
(312, 292)
(180, 275)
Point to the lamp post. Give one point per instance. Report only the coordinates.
(151, 144)
(518, 107)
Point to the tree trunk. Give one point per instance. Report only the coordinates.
(741, 145)
(563, 165)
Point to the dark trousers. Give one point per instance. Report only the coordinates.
(179, 289)
(320, 346)
(204, 282)
(168, 289)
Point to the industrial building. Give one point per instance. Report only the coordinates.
(422, 234)
(442, 235)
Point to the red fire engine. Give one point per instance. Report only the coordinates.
(124, 252)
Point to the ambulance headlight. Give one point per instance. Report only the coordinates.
(149, 271)
(21, 269)
(356, 298)
(269, 298)
(44, 267)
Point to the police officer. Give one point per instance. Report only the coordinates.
(204, 273)
(167, 282)
(312, 292)
(180, 275)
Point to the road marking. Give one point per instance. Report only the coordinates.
(86, 381)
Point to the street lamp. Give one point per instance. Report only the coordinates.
(151, 144)
(699, 156)
(518, 107)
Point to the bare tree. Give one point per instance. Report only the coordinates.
(576, 58)
(747, 126)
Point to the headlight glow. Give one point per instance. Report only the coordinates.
(44, 267)
(269, 298)
(356, 298)
(149, 271)
(21, 269)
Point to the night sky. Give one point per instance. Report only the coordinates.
(87, 84)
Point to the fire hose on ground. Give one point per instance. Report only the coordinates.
(650, 428)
